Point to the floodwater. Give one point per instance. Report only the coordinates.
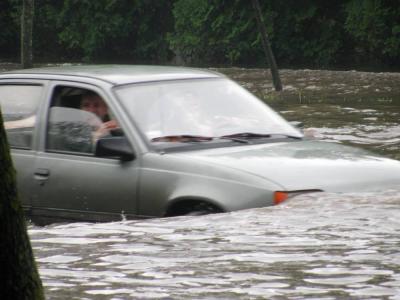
(315, 246)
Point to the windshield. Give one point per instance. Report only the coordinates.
(203, 108)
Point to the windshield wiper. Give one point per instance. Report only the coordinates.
(245, 136)
(187, 138)
(183, 138)
(242, 137)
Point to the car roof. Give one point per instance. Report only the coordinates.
(116, 74)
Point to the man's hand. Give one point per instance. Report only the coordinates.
(104, 129)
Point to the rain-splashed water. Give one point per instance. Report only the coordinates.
(315, 246)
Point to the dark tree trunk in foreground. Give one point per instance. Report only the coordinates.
(267, 47)
(26, 33)
(19, 278)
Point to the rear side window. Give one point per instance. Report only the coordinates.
(19, 105)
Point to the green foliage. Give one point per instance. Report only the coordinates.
(88, 26)
(189, 39)
(9, 24)
(374, 25)
(212, 31)
(309, 33)
(46, 42)
(226, 31)
(305, 32)
(105, 30)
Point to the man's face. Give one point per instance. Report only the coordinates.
(94, 104)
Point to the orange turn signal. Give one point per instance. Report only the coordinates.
(279, 197)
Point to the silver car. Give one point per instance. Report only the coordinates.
(182, 142)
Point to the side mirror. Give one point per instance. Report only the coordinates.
(117, 146)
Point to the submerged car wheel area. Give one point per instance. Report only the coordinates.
(109, 142)
(188, 207)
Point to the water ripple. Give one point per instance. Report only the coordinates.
(322, 245)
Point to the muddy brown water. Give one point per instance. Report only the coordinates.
(316, 246)
(356, 108)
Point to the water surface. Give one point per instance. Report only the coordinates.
(322, 246)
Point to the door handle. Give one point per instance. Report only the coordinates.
(41, 174)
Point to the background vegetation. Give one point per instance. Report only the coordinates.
(303, 33)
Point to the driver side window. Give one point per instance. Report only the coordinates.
(77, 119)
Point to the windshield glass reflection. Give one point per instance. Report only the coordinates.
(201, 108)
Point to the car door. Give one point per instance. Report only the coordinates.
(73, 183)
(20, 102)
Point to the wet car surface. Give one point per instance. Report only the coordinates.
(188, 142)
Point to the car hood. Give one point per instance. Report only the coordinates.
(300, 165)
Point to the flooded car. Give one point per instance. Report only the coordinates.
(102, 143)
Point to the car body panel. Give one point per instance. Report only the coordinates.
(86, 184)
(308, 165)
(166, 178)
(24, 163)
(115, 74)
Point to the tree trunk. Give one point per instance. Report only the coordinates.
(19, 278)
(26, 33)
(267, 47)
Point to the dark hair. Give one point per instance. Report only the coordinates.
(89, 94)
